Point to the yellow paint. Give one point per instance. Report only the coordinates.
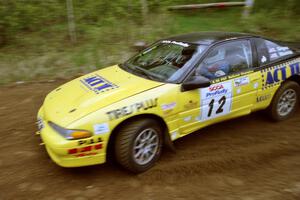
(76, 106)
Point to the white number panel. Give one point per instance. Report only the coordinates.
(216, 100)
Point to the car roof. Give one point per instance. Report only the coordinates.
(208, 38)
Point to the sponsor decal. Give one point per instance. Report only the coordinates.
(86, 154)
(174, 135)
(198, 118)
(97, 83)
(169, 106)
(187, 119)
(134, 108)
(263, 59)
(215, 90)
(263, 98)
(280, 74)
(174, 42)
(285, 53)
(255, 85)
(279, 52)
(215, 101)
(274, 56)
(90, 141)
(85, 151)
(239, 90)
(101, 128)
(236, 75)
(241, 81)
(295, 68)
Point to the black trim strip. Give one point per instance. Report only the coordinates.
(278, 62)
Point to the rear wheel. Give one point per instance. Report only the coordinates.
(285, 102)
(138, 145)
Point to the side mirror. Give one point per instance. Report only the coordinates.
(195, 82)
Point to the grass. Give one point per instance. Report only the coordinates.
(48, 54)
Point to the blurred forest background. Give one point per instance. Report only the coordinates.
(35, 43)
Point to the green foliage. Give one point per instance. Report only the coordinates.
(28, 16)
(33, 15)
(34, 40)
(285, 8)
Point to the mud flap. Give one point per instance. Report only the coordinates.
(169, 143)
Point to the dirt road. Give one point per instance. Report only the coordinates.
(249, 158)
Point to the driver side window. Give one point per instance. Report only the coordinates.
(226, 59)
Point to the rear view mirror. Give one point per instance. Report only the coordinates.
(195, 82)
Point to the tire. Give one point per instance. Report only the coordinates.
(132, 143)
(292, 89)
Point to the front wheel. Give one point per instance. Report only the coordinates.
(138, 145)
(285, 102)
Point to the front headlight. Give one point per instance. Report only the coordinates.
(70, 134)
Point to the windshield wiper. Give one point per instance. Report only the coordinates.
(137, 70)
(149, 76)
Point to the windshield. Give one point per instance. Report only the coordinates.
(164, 61)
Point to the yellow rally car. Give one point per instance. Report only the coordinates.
(172, 88)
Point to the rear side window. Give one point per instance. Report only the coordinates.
(269, 51)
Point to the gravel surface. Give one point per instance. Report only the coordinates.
(250, 158)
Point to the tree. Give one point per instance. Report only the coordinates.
(71, 21)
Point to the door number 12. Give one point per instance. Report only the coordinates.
(221, 102)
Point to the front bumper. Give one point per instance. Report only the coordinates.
(89, 151)
(75, 161)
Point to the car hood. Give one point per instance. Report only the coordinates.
(92, 92)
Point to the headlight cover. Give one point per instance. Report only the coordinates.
(69, 133)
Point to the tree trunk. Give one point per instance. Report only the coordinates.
(71, 21)
(144, 9)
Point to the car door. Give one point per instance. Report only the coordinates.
(233, 89)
